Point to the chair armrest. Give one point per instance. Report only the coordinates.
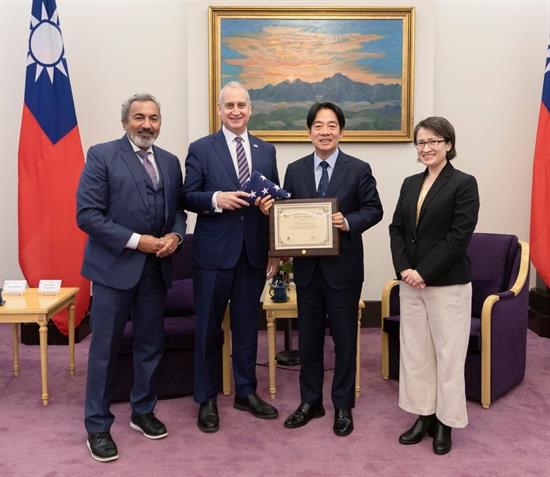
(385, 303)
(523, 268)
(385, 312)
(509, 297)
(517, 287)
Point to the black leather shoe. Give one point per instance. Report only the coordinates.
(301, 416)
(209, 420)
(149, 425)
(343, 422)
(101, 446)
(442, 438)
(422, 426)
(256, 406)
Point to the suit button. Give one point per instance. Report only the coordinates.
(413, 241)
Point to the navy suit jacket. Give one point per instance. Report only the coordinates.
(219, 237)
(354, 186)
(112, 205)
(436, 246)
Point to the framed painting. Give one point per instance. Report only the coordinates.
(289, 58)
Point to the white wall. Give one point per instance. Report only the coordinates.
(478, 63)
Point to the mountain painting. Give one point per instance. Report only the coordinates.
(357, 59)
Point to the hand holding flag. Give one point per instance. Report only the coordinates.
(259, 186)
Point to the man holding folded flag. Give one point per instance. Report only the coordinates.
(229, 252)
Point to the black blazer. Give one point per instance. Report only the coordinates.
(354, 186)
(436, 246)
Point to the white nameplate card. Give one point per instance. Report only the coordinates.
(14, 287)
(49, 287)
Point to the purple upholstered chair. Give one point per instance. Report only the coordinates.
(495, 362)
(175, 374)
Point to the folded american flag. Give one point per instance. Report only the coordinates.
(258, 185)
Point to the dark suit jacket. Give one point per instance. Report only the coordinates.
(112, 204)
(219, 236)
(354, 186)
(436, 246)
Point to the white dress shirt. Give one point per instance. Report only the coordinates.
(318, 170)
(232, 145)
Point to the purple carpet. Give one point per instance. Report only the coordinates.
(512, 438)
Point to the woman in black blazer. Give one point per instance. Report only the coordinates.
(434, 219)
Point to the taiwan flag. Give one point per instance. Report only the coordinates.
(540, 192)
(50, 161)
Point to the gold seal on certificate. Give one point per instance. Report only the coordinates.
(303, 228)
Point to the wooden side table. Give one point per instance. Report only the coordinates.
(289, 309)
(34, 308)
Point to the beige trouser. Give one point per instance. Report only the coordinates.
(434, 333)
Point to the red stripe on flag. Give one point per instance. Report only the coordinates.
(51, 246)
(540, 199)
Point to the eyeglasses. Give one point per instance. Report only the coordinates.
(432, 143)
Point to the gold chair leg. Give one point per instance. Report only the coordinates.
(71, 339)
(43, 333)
(271, 352)
(15, 349)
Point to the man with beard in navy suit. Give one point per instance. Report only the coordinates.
(127, 202)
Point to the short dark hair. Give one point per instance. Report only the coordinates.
(326, 105)
(442, 127)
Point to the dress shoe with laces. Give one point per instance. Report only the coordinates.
(256, 406)
(208, 420)
(101, 446)
(301, 416)
(422, 426)
(149, 425)
(442, 438)
(343, 422)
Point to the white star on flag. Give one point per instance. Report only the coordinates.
(258, 185)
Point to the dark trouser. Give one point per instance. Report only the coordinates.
(318, 302)
(145, 303)
(243, 286)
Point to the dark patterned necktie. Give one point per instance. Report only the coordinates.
(323, 183)
(242, 163)
(149, 168)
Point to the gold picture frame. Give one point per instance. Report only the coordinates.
(291, 57)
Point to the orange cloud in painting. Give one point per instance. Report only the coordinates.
(285, 53)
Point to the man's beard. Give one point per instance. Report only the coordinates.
(141, 141)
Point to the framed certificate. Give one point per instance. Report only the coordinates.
(303, 228)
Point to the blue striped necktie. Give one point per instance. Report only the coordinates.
(242, 163)
(323, 183)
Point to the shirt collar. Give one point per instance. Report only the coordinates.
(230, 136)
(136, 148)
(331, 161)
